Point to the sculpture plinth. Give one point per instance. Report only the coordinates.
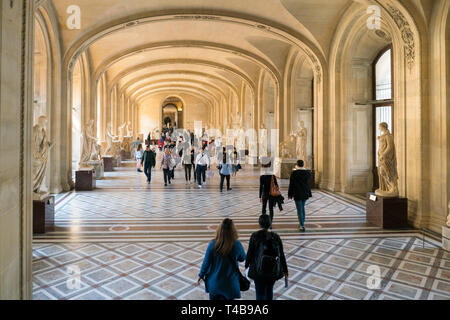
(284, 167)
(44, 215)
(387, 213)
(85, 179)
(98, 168)
(108, 164)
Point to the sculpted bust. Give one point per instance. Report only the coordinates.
(387, 164)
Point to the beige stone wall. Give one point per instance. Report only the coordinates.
(15, 182)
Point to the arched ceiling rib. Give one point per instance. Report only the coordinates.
(214, 91)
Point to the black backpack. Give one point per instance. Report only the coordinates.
(268, 264)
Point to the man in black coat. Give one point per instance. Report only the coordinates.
(149, 162)
(299, 190)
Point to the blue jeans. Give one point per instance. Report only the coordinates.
(264, 290)
(148, 172)
(300, 204)
(201, 173)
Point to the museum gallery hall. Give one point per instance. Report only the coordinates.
(103, 102)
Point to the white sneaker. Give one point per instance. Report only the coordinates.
(200, 186)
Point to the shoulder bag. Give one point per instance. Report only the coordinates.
(274, 189)
(244, 283)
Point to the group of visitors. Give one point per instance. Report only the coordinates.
(265, 262)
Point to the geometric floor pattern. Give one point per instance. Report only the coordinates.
(319, 269)
(129, 240)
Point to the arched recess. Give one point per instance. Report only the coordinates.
(302, 104)
(438, 140)
(47, 26)
(349, 121)
(42, 85)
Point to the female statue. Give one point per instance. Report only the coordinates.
(387, 164)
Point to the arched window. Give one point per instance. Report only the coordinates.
(383, 98)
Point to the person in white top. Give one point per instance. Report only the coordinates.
(202, 163)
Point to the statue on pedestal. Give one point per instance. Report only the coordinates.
(263, 141)
(122, 131)
(41, 149)
(129, 129)
(387, 164)
(111, 141)
(288, 148)
(302, 136)
(88, 144)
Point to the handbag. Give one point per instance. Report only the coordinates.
(244, 283)
(274, 189)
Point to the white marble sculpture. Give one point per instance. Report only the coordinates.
(387, 164)
(263, 141)
(88, 143)
(129, 129)
(302, 136)
(41, 150)
(122, 131)
(111, 141)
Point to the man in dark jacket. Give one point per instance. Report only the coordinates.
(300, 190)
(149, 162)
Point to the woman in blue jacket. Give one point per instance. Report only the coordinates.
(219, 268)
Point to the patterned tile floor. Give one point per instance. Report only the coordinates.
(131, 241)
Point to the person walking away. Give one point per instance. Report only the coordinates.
(225, 173)
(188, 160)
(149, 162)
(266, 180)
(300, 190)
(138, 156)
(166, 162)
(266, 262)
(220, 265)
(202, 164)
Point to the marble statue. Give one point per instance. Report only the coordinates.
(288, 148)
(387, 164)
(263, 141)
(129, 129)
(87, 144)
(111, 140)
(122, 131)
(302, 136)
(41, 150)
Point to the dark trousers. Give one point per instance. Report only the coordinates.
(148, 172)
(201, 173)
(271, 205)
(167, 175)
(222, 180)
(264, 290)
(187, 171)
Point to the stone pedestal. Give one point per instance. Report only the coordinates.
(387, 213)
(85, 179)
(44, 215)
(284, 167)
(98, 168)
(108, 163)
(446, 238)
(125, 155)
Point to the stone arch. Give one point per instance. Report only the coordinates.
(348, 169)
